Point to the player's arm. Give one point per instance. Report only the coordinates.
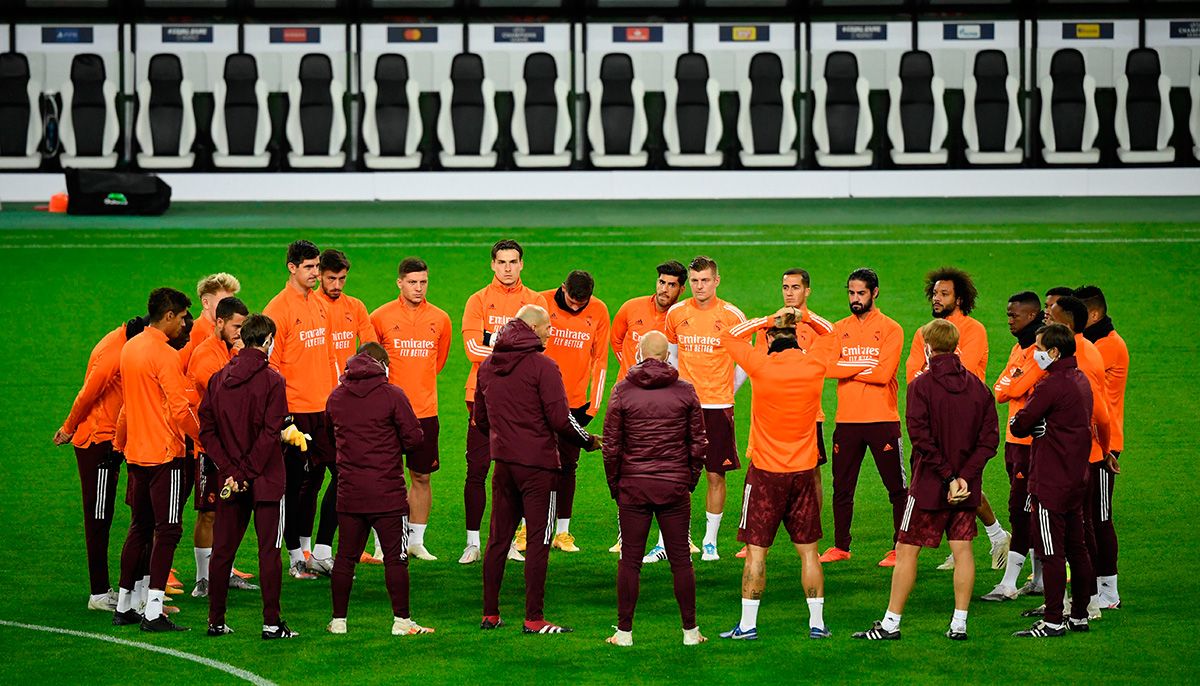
(820, 325)
(1101, 417)
(557, 412)
(614, 441)
(1023, 423)
(696, 437)
(278, 315)
(408, 427)
(479, 413)
(476, 339)
(210, 437)
(443, 345)
(748, 328)
(175, 388)
(618, 331)
(985, 444)
(920, 433)
(266, 445)
(1022, 384)
(672, 339)
(104, 368)
(889, 360)
(366, 330)
(745, 356)
(973, 349)
(599, 364)
(916, 362)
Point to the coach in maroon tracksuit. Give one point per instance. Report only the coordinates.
(654, 448)
(1059, 417)
(521, 403)
(240, 419)
(373, 424)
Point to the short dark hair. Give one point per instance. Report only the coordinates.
(1092, 297)
(964, 287)
(334, 261)
(579, 285)
(508, 244)
(229, 307)
(1059, 337)
(256, 329)
(375, 350)
(802, 273)
(1026, 298)
(302, 250)
(1060, 291)
(866, 275)
(1075, 307)
(409, 265)
(701, 263)
(164, 300)
(673, 268)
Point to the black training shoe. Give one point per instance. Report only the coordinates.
(219, 629)
(491, 622)
(1039, 611)
(1078, 624)
(161, 624)
(281, 631)
(127, 618)
(877, 633)
(956, 635)
(1041, 629)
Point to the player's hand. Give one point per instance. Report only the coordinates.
(1110, 463)
(957, 491)
(597, 443)
(1016, 372)
(1039, 429)
(787, 309)
(62, 437)
(293, 436)
(238, 344)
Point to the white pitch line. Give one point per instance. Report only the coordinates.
(214, 664)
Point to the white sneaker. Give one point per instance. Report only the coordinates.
(105, 602)
(420, 552)
(623, 639)
(710, 553)
(320, 565)
(402, 626)
(1001, 593)
(616, 547)
(1000, 551)
(656, 554)
(514, 555)
(1093, 608)
(948, 563)
(470, 555)
(337, 626)
(692, 549)
(1030, 588)
(693, 637)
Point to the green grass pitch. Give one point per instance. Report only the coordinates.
(71, 279)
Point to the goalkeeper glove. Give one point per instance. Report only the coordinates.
(293, 436)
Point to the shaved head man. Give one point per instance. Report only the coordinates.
(653, 345)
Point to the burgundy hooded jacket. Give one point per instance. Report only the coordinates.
(521, 403)
(654, 429)
(1059, 417)
(954, 430)
(373, 425)
(241, 416)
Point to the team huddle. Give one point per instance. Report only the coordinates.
(249, 411)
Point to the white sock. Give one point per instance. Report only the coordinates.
(295, 555)
(958, 622)
(712, 525)
(154, 603)
(203, 555)
(473, 538)
(995, 532)
(891, 621)
(816, 613)
(323, 552)
(378, 546)
(1108, 586)
(1012, 570)
(143, 593)
(563, 526)
(416, 534)
(749, 618)
(306, 543)
(1037, 573)
(124, 600)
(522, 524)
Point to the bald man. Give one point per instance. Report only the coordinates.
(653, 457)
(521, 405)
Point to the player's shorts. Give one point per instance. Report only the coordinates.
(204, 498)
(773, 498)
(423, 459)
(822, 458)
(722, 447)
(925, 527)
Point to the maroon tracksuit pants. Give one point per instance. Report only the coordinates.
(519, 491)
(1058, 538)
(99, 473)
(850, 443)
(233, 517)
(156, 498)
(305, 472)
(393, 537)
(637, 504)
(1100, 494)
(479, 460)
(1016, 462)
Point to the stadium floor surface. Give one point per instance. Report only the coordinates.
(74, 278)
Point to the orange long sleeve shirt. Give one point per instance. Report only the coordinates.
(418, 343)
(208, 358)
(349, 327)
(808, 329)
(157, 413)
(636, 318)
(1092, 365)
(1020, 360)
(202, 330)
(487, 311)
(784, 402)
(703, 362)
(972, 348)
(302, 351)
(1115, 354)
(579, 344)
(864, 360)
(93, 415)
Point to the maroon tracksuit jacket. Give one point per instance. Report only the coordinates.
(373, 424)
(240, 419)
(952, 424)
(1058, 458)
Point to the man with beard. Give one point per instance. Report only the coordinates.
(865, 361)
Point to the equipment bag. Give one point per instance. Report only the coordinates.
(100, 192)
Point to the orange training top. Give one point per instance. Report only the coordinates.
(418, 343)
(579, 344)
(810, 326)
(349, 327)
(636, 318)
(157, 412)
(202, 329)
(207, 359)
(864, 360)
(1020, 361)
(702, 360)
(302, 352)
(1092, 365)
(972, 348)
(486, 312)
(1116, 371)
(93, 416)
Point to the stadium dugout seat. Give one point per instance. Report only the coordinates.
(89, 128)
(766, 120)
(692, 121)
(541, 123)
(20, 120)
(991, 115)
(1069, 123)
(842, 125)
(467, 127)
(917, 114)
(166, 123)
(241, 123)
(392, 122)
(1194, 119)
(1143, 121)
(617, 116)
(316, 124)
